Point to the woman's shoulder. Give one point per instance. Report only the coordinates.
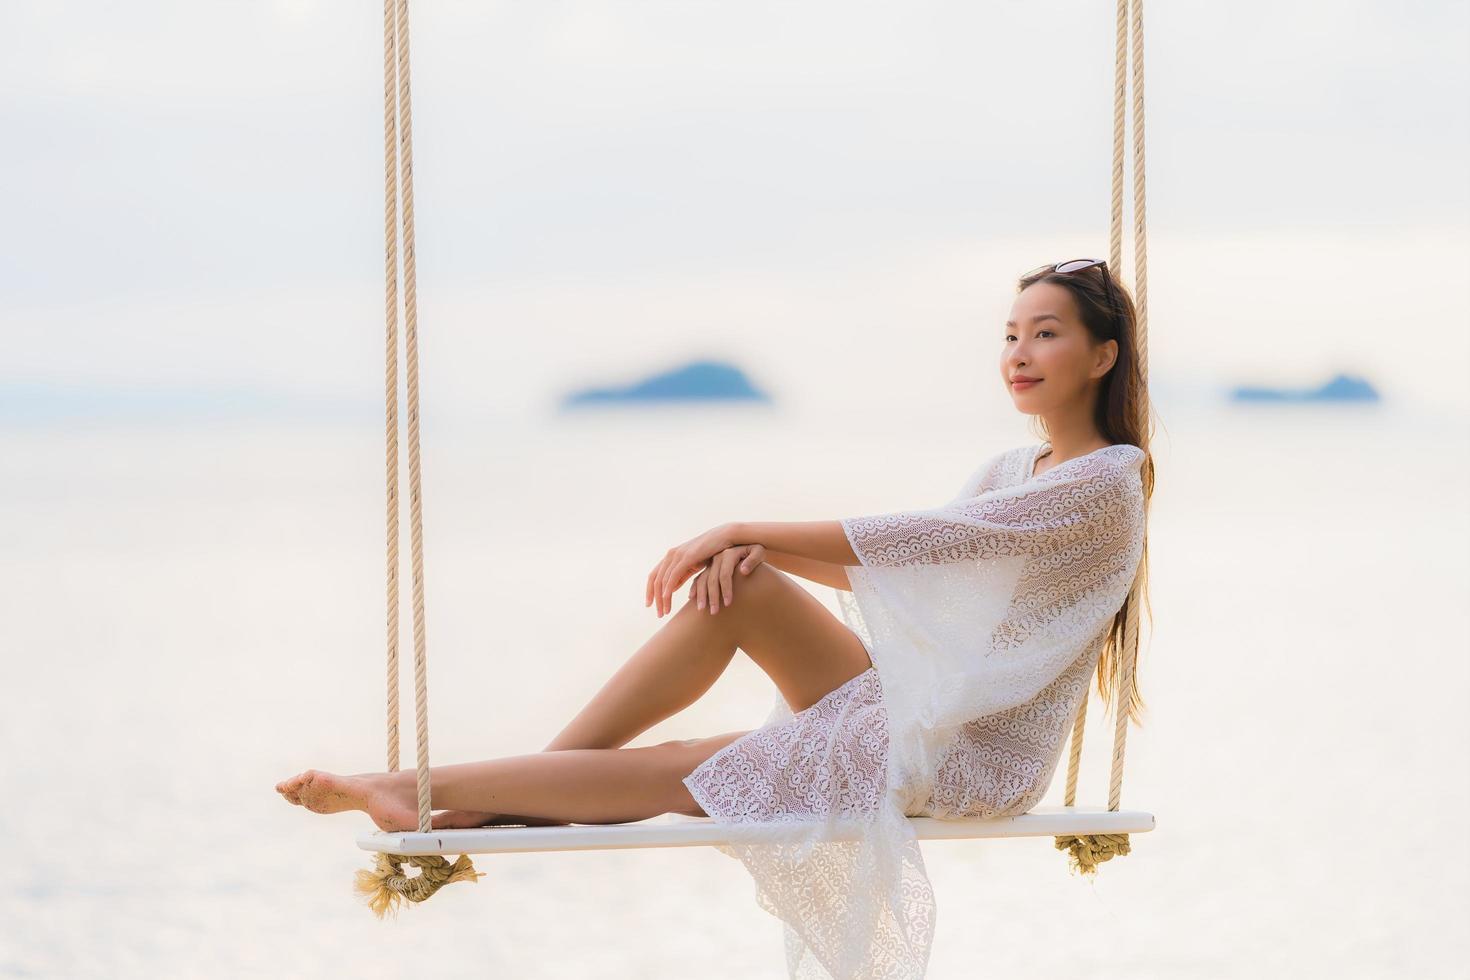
(1124, 452)
(1114, 458)
(1014, 467)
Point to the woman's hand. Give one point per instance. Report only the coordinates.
(718, 577)
(683, 561)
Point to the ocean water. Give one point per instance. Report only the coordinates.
(190, 613)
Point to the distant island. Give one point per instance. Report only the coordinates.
(697, 381)
(1341, 388)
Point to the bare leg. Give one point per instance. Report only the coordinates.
(805, 649)
(667, 674)
(781, 626)
(569, 785)
(671, 671)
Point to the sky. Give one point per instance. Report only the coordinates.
(836, 196)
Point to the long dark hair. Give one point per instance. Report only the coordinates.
(1123, 415)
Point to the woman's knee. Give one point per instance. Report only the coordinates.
(687, 754)
(752, 592)
(763, 576)
(760, 587)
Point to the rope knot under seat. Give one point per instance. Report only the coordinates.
(386, 884)
(1090, 850)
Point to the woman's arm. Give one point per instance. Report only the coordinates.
(821, 572)
(822, 541)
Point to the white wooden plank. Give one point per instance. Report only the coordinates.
(675, 830)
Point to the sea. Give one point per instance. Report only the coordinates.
(192, 608)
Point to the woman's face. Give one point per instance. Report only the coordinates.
(1045, 339)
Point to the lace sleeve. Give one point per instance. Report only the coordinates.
(1067, 504)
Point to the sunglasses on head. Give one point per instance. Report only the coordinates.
(1076, 265)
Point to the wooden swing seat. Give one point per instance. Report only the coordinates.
(677, 830)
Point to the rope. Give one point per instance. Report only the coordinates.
(386, 884)
(415, 492)
(1089, 850)
(390, 234)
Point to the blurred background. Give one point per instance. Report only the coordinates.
(681, 264)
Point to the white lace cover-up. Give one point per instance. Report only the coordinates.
(984, 619)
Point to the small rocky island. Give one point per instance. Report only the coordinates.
(1341, 388)
(697, 381)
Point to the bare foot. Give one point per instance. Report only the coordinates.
(389, 802)
(391, 799)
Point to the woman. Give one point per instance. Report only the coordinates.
(967, 637)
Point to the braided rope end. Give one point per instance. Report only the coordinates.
(1087, 851)
(385, 885)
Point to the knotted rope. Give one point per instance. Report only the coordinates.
(1090, 850)
(386, 884)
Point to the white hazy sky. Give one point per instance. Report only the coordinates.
(837, 196)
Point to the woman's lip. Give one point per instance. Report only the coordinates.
(1026, 384)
